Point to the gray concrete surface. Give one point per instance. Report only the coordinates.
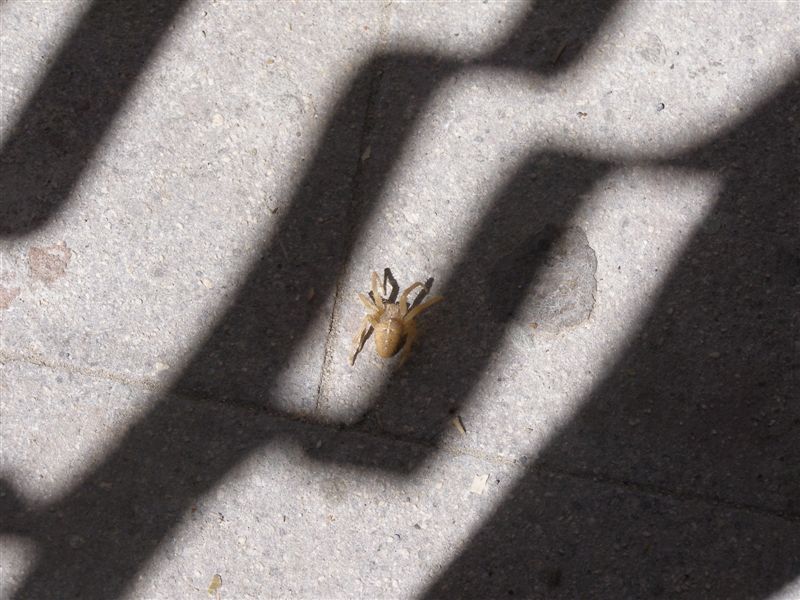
(604, 406)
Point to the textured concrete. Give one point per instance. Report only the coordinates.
(606, 403)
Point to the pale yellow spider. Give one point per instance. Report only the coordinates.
(392, 321)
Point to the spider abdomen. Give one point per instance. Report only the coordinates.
(388, 335)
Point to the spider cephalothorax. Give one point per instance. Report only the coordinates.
(393, 322)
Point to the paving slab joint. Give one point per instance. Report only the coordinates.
(356, 203)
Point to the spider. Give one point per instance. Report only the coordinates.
(392, 321)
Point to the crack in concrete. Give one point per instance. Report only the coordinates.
(309, 426)
(355, 206)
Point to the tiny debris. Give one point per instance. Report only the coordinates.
(270, 61)
(582, 114)
(161, 366)
(283, 248)
(207, 282)
(560, 52)
(217, 120)
(714, 354)
(479, 484)
(311, 293)
(213, 587)
(660, 107)
(459, 425)
(367, 153)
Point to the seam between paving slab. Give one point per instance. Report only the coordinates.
(39, 360)
(356, 205)
(541, 469)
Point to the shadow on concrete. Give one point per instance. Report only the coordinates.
(96, 538)
(681, 474)
(58, 132)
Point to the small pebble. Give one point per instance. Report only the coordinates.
(660, 107)
(459, 425)
(216, 583)
(479, 484)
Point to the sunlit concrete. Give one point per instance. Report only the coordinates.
(345, 481)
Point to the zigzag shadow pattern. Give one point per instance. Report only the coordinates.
(58, 132)
(681, 473)
(123, 510)
(182, 448)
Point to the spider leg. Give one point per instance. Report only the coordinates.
(411, 335)
(404, 296)
(363, 331)
(414, 312)
(388, 277)
(375, 292)
(367, 302)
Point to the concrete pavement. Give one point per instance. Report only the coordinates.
(605, 404)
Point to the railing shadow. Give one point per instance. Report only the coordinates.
(681, 473)
(94, 539)
(58, 132)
